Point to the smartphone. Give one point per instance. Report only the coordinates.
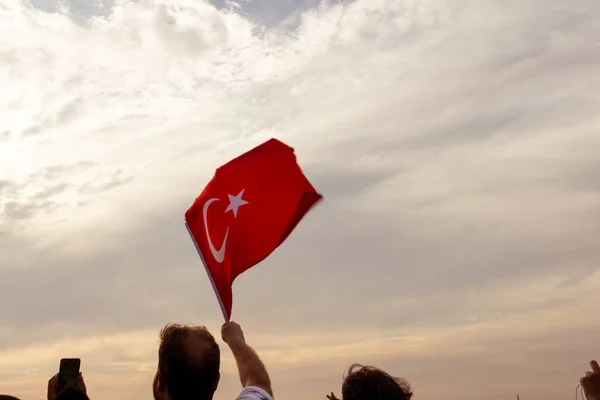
(68, 373)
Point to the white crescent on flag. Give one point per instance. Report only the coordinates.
(235, 202)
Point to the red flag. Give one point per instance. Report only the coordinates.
(246, 211)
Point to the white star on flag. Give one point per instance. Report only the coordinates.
(235, 202)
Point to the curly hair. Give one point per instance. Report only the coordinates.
(370, 383)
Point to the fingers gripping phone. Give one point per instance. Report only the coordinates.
(68, 373)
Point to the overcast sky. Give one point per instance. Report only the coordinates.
(456, 143)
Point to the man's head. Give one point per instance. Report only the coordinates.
(188, 364)
(370, 383)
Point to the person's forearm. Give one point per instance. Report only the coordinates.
(251, 368)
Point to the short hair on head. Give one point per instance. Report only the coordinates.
(8, 397)
(189, 360)
(370, 383)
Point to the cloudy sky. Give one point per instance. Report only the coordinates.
(456, 142)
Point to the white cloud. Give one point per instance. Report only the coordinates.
(455, 141)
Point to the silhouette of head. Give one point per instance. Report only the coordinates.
(188, 364)
(370, 383)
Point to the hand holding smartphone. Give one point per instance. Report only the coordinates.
(68, 377)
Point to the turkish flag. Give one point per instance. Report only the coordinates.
(246, 211)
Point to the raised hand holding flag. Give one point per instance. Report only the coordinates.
(246, 211)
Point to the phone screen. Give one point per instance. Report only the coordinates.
(68, 373)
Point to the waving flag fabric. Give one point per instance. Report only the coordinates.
(246, 211)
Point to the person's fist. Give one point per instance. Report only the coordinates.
(591, 382)
(232, 333)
